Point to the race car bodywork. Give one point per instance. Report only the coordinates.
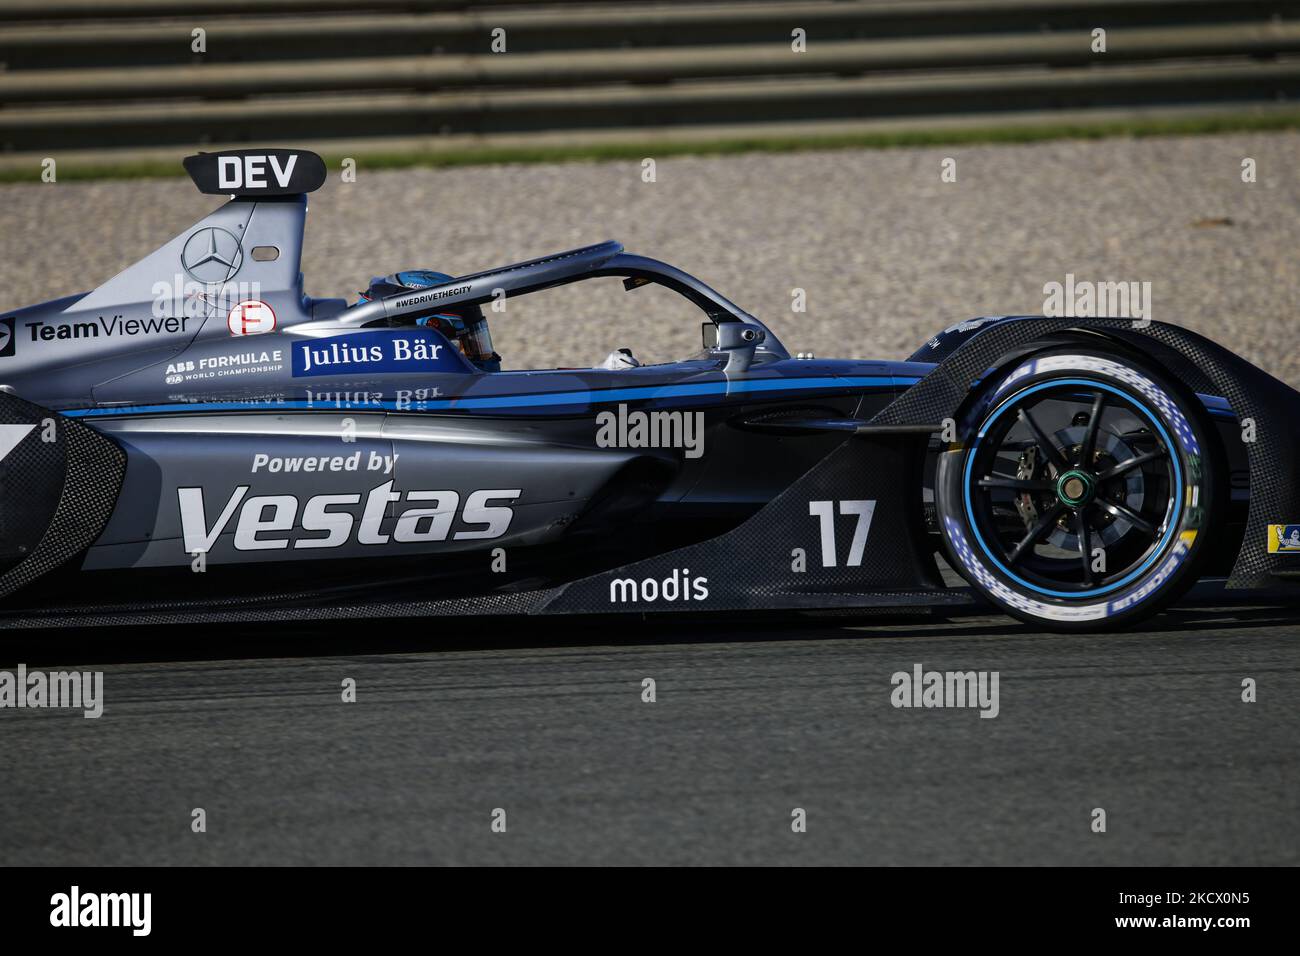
(199, 440)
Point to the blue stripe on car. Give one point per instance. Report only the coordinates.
(534, 400)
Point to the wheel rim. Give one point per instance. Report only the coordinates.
(1066, 472)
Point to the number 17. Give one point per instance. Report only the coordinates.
(825, 512)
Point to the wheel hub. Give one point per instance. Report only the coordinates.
(1075, 487)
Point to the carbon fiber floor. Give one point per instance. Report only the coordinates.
(749, 723)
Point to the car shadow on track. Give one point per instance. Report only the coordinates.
(352, 638)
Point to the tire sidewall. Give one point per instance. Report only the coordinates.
(1173, 569)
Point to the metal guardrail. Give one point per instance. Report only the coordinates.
(715, 104)
(551, 27)
(91, 74)
(581, 68)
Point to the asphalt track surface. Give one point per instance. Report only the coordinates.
(752, 719)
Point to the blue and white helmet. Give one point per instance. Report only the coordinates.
(466, 327)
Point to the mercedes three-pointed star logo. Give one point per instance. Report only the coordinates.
(212, 255)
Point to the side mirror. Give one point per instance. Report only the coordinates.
(739, 340)
(709, 332)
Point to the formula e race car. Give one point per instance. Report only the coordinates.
(198, 440)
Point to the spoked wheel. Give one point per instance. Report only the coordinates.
(1080, 494)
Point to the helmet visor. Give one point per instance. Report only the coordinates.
(476, 340)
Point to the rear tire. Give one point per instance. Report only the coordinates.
(1082, 492)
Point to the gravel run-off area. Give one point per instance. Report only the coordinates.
(885, 250)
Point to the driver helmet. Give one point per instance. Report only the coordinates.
(466, 327)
